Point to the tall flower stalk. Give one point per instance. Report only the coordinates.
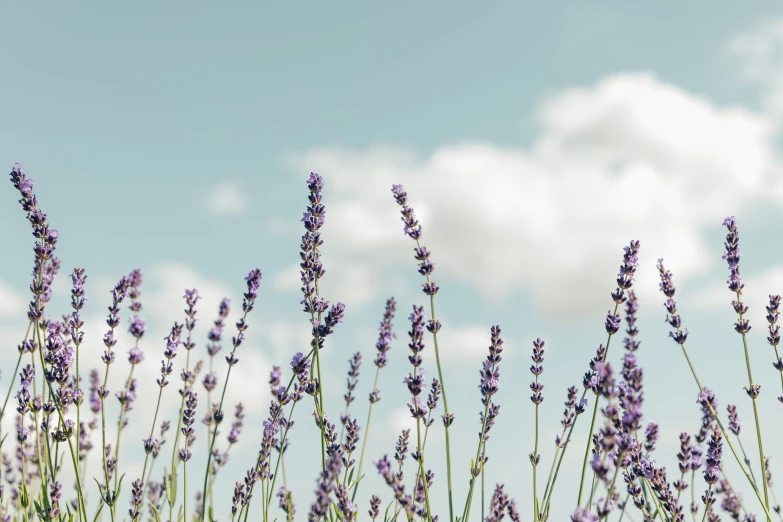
(612, 325)
(742, 326)
(490, 376)
(412, 229)
(706, 398)
(253, 281)
(536, 398)
(383, 345)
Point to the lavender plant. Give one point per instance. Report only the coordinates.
(619, 475)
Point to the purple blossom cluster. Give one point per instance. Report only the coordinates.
(54, 437)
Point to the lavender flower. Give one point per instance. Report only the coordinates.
(355, 363)
(498, 505)
(581, 514)
(375, 506)
(385, 336)
(326, 485)
(286, 502)
(137, 498)
(667, 287)
(712, 471)
(537, 369)
(188, 418)
(55, 493)
(137, 326)
(773, 312)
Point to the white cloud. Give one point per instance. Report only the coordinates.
(227, 199)
(672, 164)
(11, 302)
(760, 52)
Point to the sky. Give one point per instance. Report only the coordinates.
(534, 140)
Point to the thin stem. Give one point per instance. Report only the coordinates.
(592, 424)
(587, 450)
(119, 432)
(745, 458)
(185, 487)
(726, 437)
(560, 460)
(483, 462)
(423, 473)
(706, 507)
(290, 383)
(280, 454)
(446, 424)
(758, 424)
(147, 456)
(367, 435)
(478, 462)
(534, 462)
(614, 480)
(175, 446)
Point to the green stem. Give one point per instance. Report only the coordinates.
(422, 472)
(478, 462)
(534, 462)
(175, 447)
(592, 424)
(758, 425)
(560, 460)
(280, 455)
(587, 450)
(614, 480)
(119, 432)
(147, 456)
(726, 437)
(445, 408)
(367, 436)
(290, 383)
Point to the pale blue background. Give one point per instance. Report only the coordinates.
(128, 114)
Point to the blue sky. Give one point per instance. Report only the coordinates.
(535, 141)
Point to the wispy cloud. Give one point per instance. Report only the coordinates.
(539, 219)
(227, 199)
(11, 302)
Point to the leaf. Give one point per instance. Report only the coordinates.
(24, 498)
(357, 481)
(155, 512)
(386, 513)
(173, 485)
(119, 487)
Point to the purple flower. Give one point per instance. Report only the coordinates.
(136, 328)
(536, 369)
(498, 505)
(714, 453)
(734, 424)
(55, 493)
(631, 308)
(667, 287)
(412, 229)
(385, 336)
(135, 355)
(375, 506)
(581, 514)
(137, 498)
(286, 502)
(300, 365)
